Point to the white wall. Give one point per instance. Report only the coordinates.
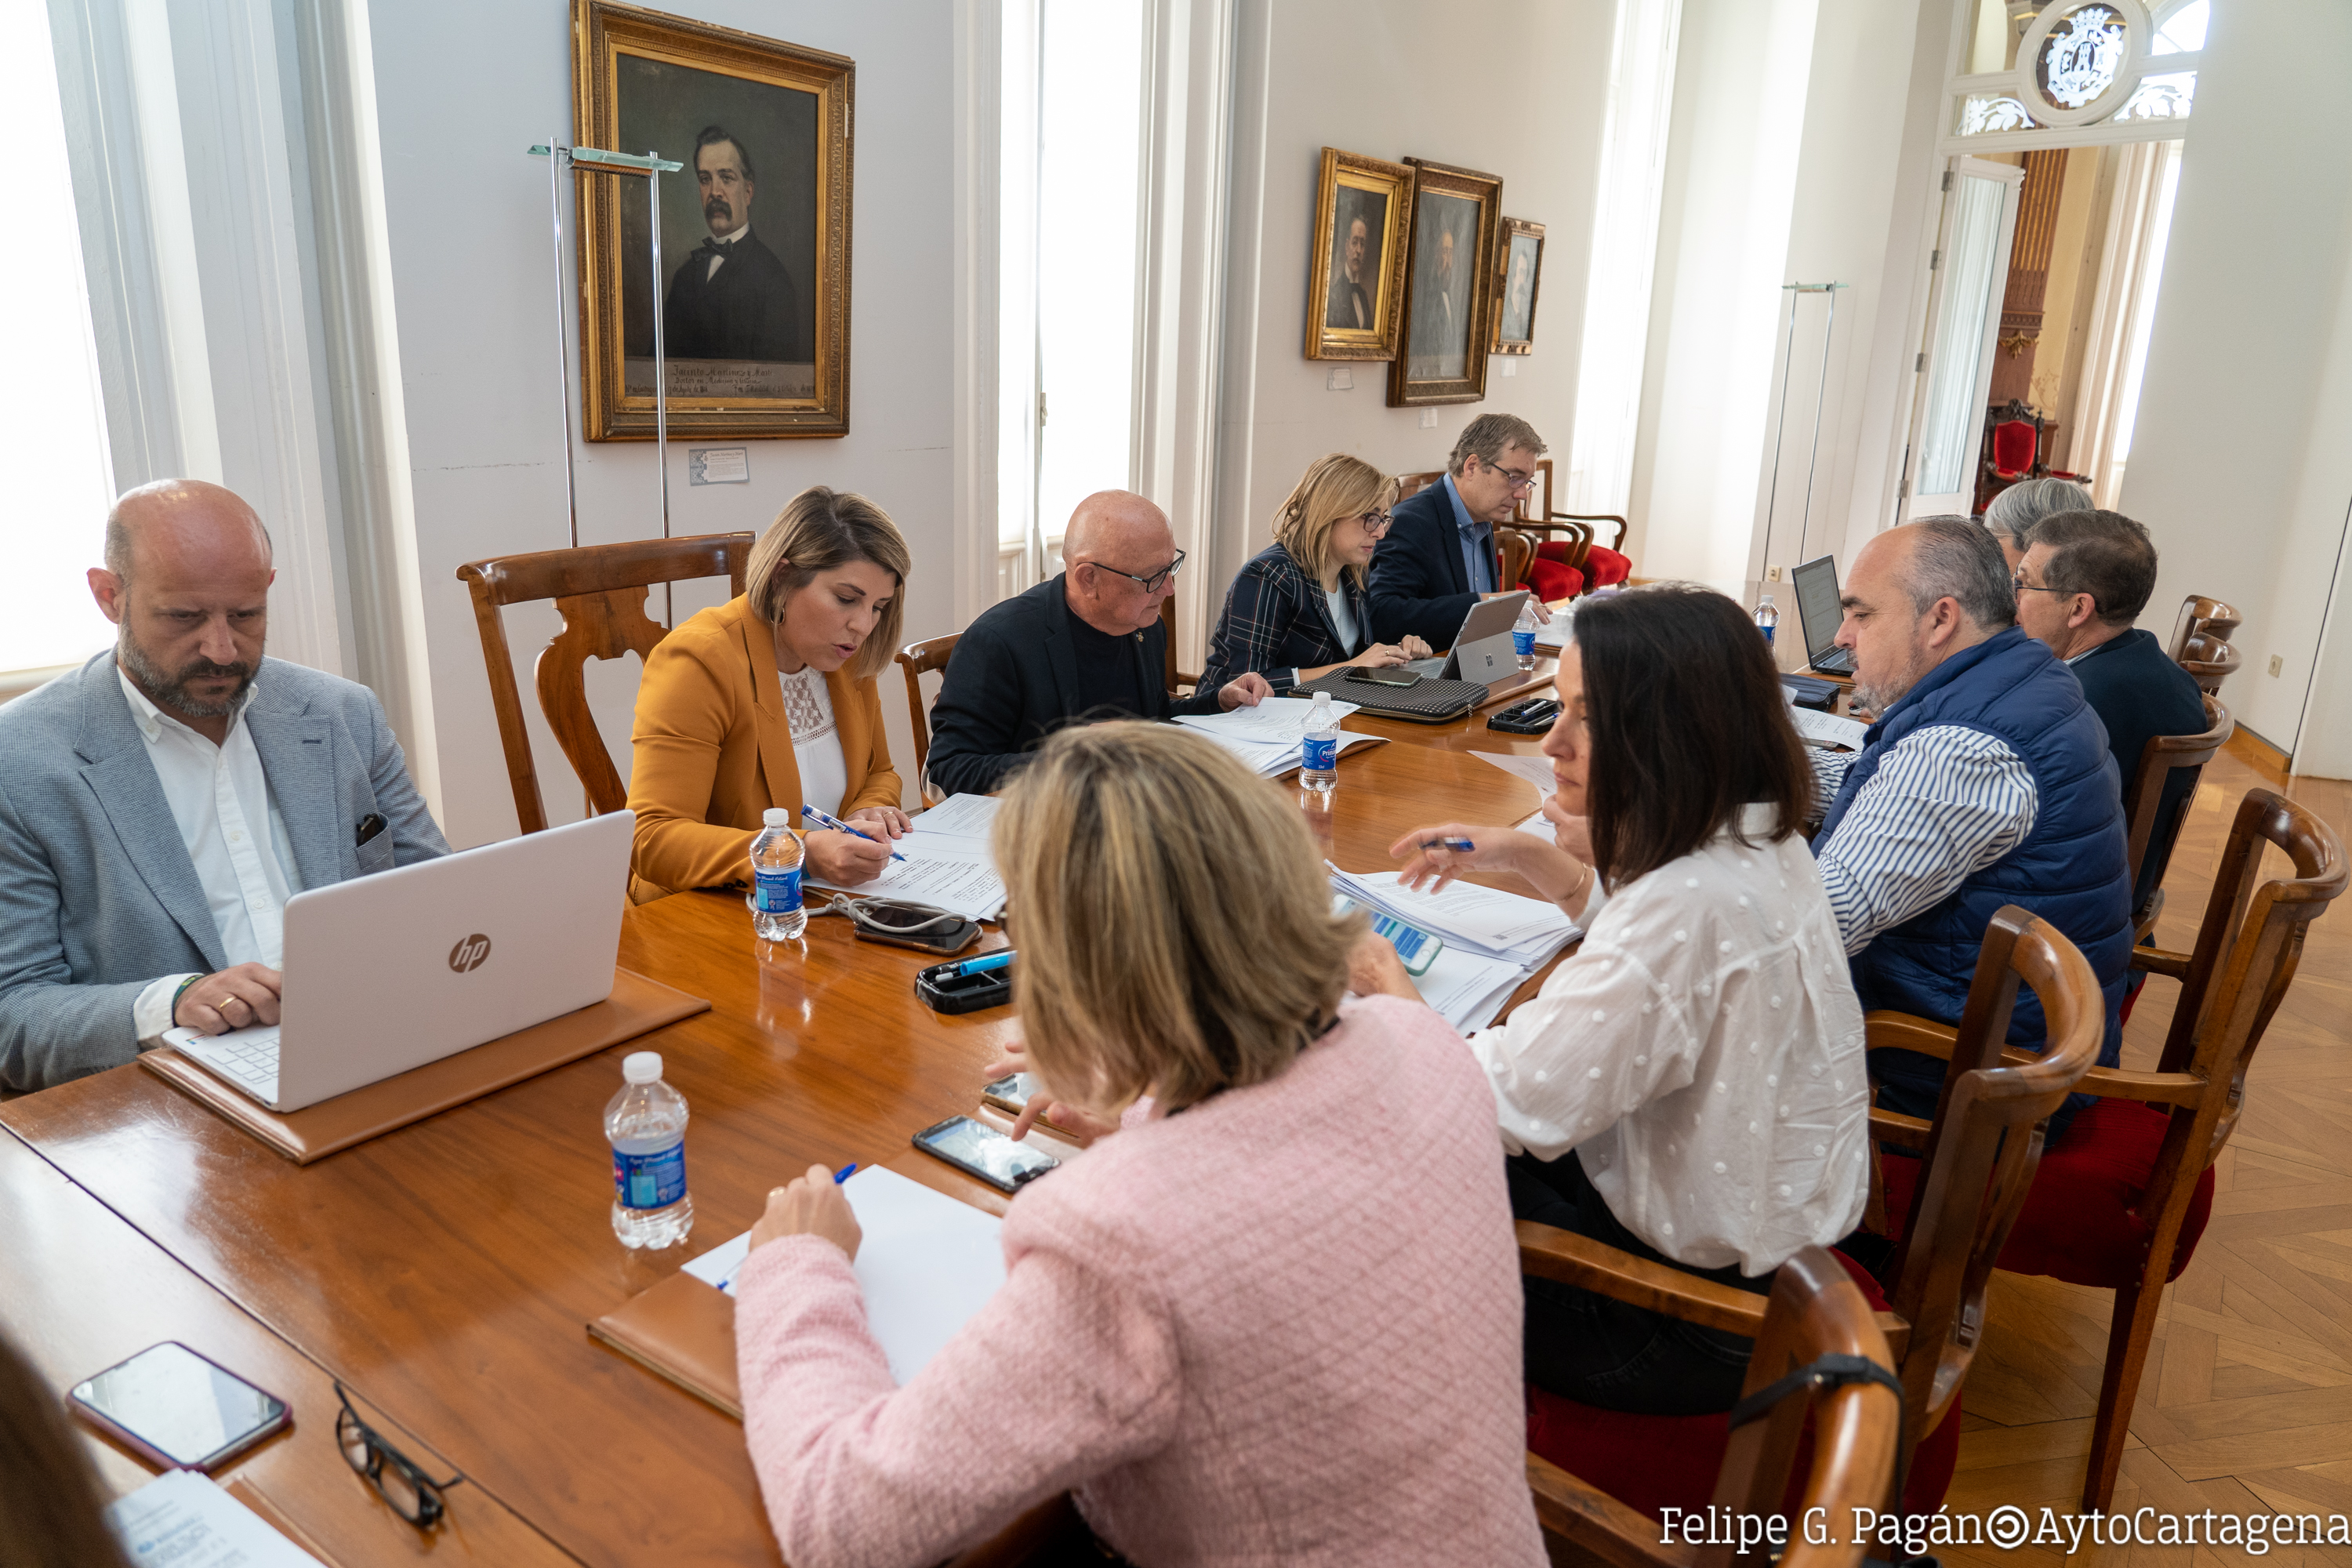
(2240, 462)
(461, 90)
(1512, 88)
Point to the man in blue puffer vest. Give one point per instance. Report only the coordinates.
(1985, 780)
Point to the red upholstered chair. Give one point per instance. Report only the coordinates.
(1980, 1177)
(2013, 443)
(1835, 1450)
(2122, 1200)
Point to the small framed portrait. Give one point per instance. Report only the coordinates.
(1355, 270)
(753, 299)
(1449, 287)
(1519, 262)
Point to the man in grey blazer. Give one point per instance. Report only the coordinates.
(160, 804)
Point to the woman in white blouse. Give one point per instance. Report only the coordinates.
(769, 699)
(1689, 1084)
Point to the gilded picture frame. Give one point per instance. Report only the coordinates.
(755, 229)
(1449, 287)
(1519, 280)
(1355, 265)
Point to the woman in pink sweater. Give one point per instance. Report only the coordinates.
(1272, 1319)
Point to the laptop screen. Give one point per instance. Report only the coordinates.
(1817, 604)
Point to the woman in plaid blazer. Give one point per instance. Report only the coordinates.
(1298, 610)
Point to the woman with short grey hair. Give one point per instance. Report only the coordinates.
(2014, 511)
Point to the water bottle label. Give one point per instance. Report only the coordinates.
(1523, 643)
(777, 892)
(652, 1181)
(1320, 756)
(1767, 634)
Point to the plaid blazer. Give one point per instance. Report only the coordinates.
(1277, 621)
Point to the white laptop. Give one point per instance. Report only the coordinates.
(388, 972)
(1482, 649)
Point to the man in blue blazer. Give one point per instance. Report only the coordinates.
(160, 804)
(1440, 556)
(2084, 579)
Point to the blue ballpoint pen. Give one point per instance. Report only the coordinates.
(838, 825)
(1459, 846)
(985, 962)
(842, 1174)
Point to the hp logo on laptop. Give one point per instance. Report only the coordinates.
(468, 954)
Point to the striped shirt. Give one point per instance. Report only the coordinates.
(1946, 801)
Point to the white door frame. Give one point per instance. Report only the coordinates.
(1915, 502)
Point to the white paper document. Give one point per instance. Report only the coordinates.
(1277, 720)
(1482, 921)
(1827, 727)
(926, 1265)
(961, 816)
(1271, 759)
(184, 1518)
(946, 862)
(1553, 634)
(1536, 770)
(1466, 989)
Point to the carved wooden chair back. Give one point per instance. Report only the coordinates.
(600, 591)
(2202, 617)
(2209, 661)
(2159, 760)
(1979, 1152)
(916, 660)
(1177, 679)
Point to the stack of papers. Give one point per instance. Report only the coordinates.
(1267, 737)
(1492, 940)
(925, 1265)
(947, 865)
(187, 1518)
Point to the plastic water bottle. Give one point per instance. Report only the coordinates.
(1768, 618)
(776, 913)
(1523, 636)
(1318, 744)
(646, 1124)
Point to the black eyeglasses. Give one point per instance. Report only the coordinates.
(1519, 481)
(1149, 584)
(412, 1494)
(2023, 586)
(1373, 523)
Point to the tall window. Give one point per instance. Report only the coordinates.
(1073, 157)
(53, 456)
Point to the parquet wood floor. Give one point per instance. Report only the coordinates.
(2247, 1404)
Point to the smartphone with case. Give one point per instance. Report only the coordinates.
(178, 1410)
(979, 1149)
(1415, 947)
(1387, 675)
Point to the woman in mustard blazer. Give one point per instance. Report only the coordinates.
(769, 700)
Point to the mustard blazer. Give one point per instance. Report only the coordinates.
(712, 750)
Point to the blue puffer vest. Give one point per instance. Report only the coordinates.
(2071, 870)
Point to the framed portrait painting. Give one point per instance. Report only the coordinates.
(1518, 263)
(1355, 271)
(754, 297)
(1449, 287)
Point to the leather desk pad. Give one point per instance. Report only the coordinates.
(636, 1006)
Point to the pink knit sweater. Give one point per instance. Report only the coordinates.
(1281, 1327)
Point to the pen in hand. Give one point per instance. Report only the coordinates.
(1459, 846)
(837, 826)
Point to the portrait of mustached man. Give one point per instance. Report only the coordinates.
(731, 298)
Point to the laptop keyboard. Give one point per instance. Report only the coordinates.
(251, 1060)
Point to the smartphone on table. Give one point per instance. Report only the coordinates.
(1010, 1093)
(1387, 675)
(178, 1410)
(979, 1149)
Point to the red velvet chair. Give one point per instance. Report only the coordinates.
(2013, 450)
(1979, 1179)
(2120, 1203)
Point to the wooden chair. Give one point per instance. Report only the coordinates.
(1177, 679)
(2201, 615)
(2159, 760)
(1978, 1155)
(918, 659)
(2166, 1128)
(600, 591)
(2209, 661)
(1977, 1171)
(1814, 1311)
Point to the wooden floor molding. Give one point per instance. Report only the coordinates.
(2247, 1405)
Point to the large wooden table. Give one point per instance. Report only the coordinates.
(445, 1272)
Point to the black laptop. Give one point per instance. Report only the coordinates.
(1819, 614)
